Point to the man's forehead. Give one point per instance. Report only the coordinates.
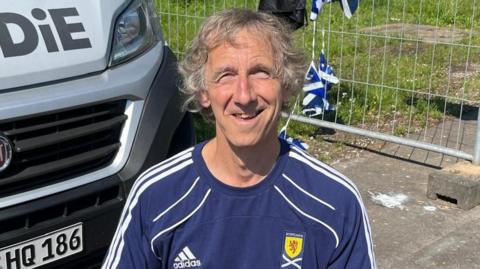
(229, 57)
(237, 38)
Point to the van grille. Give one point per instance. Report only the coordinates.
(61, 211)
(58, 146)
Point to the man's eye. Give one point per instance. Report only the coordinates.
(224, 77)
(261, 74)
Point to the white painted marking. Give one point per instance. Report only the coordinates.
(429, 208)
(390, 200)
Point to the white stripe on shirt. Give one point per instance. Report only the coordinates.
(337, 241)
(178, 201)
(344, 178)
(347, 183)
(140, 185)
(152, 170)
(307, 193)
(179, 222)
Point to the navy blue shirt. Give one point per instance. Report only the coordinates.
(304, 214)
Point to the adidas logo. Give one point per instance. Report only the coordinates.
(186, 259)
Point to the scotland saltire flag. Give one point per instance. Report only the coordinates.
(317, 8)
(348, 6)
(326, 72)
(318, 82)
(293, 141)
(314, 84)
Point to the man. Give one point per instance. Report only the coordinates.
(243, 199)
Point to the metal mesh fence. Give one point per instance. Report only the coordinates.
(409, 70)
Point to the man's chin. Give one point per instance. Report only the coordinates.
(245, 142)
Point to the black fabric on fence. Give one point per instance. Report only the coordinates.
(292, 11)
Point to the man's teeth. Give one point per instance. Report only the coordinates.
(246, 116)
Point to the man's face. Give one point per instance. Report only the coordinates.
(242, 91)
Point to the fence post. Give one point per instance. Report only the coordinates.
(476, 153)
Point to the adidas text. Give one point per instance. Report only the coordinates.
(187, 264)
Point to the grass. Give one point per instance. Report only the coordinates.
(393, 81)
(204, 130)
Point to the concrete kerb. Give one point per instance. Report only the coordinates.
(459, 184)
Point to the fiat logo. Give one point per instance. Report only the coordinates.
(5, 152)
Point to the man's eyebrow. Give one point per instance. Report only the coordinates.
(260, 67)
(222, 70)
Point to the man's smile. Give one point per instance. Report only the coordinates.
(247, 115)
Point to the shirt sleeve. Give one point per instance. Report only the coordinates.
(130, 248)
(356, 247)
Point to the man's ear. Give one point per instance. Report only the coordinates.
(204, 99)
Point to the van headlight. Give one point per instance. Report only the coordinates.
(136, 30)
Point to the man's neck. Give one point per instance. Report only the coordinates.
(240, 166)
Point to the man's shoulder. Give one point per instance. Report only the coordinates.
(169, 175)
(321, 195)
(306, 172)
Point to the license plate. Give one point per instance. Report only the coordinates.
(44, 249)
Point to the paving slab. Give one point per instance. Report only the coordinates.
(410, 230)
(418, 233)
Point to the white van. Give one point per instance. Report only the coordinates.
(88, 100)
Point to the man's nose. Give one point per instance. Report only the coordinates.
(244, 93)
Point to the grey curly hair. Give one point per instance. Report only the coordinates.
(222, 27)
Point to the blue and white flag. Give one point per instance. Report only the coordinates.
(314, 105)
(292, 141)
(348, 6)
(314, 83)
(318, 83)
(325, 72)
(317, 8)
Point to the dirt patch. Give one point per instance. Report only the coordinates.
(407, 48)
(426, 33)
(463, 71)
(464, 168)
(339, 146)
(455, 78)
